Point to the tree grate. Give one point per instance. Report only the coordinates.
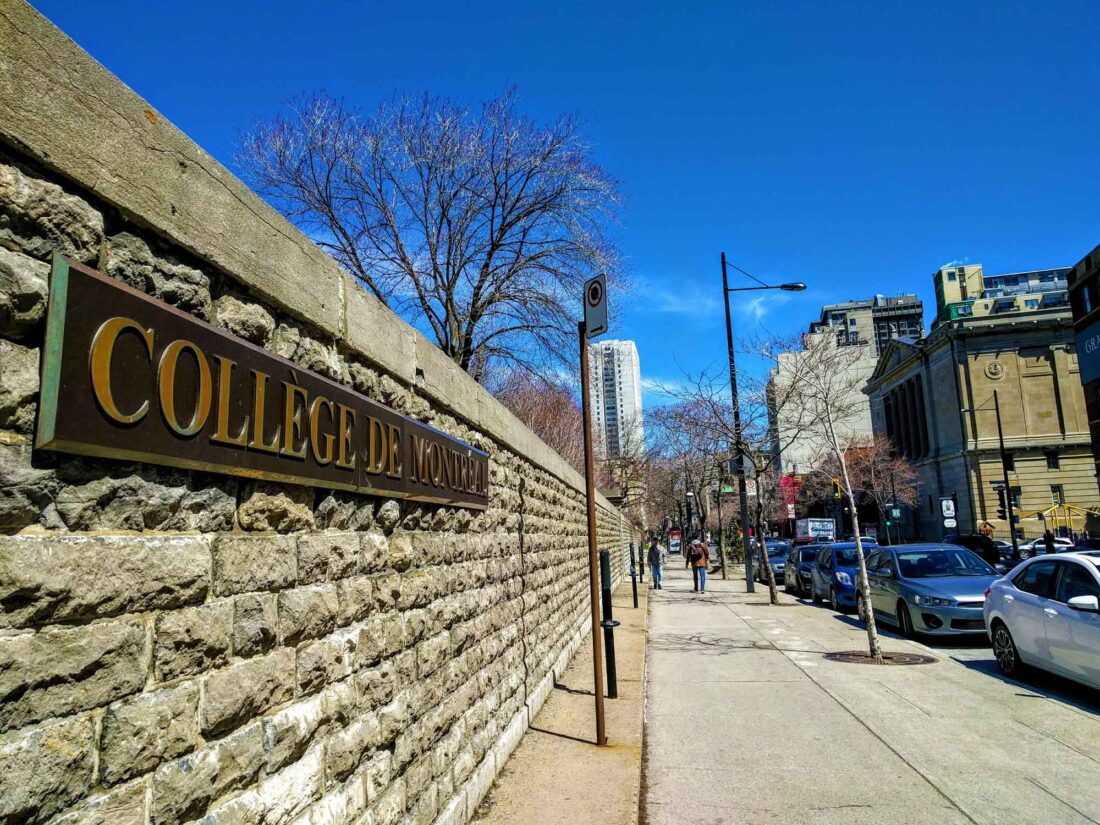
(862, 657)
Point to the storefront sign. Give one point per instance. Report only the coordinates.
(1088, 352)
(126, 376)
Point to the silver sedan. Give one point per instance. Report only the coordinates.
(1046, 613)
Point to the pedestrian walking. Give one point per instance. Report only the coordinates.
(656, 559)
(1048, 540)
(697, 559)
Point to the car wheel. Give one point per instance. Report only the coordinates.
(905, 621)
(834, 601)
(1004, 650)
(861, 608)
(1025, 553)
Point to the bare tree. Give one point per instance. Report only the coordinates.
(704, 413)
(479, 226)
(879, 473)
(549, 408)
(826, 382)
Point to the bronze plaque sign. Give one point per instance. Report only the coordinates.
(126, 376)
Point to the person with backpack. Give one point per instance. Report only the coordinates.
(698, 558)
(656, 559)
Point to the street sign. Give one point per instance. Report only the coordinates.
(595, 306)
(750, 486)
(790, 511)
(895, 512)
(947, 507)
(950, 523)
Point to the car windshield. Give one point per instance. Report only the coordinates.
(779, 550)
(940, 563)
(845, 556)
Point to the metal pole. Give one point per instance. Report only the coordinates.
(894, 504)
(608, 624)
(593, 556)
(738, 452)
(1004, 471)
(721, 529)
(633, 576)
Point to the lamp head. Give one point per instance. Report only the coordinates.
(796, 286)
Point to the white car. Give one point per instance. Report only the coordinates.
(1046, 613)
(1038, 547)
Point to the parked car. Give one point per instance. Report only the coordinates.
(936, 589)
(777, 558)
(984, 546)
(797, 573)
(833, 576)
(1047, 615)
(1037, 547)
(1086, 543)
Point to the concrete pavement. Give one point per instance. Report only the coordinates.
(747, 723)
(557, 776)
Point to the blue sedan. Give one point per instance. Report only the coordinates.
(935, 589)
(833, 575)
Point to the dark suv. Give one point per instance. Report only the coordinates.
(977, 543)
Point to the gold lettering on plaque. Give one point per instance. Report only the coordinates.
(292, 420)
(99, 358)
(221, 434)
(376, 446)
(324, 456)
(345, 454)
(166, 378)
(393, 460)
(259, 398)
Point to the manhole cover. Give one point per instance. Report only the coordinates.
(862, 657)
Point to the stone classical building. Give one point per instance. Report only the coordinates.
(1084, 291)
(935, 399)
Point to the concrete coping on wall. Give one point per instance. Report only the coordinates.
(67, 112)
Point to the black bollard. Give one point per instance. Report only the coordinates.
(641, 563)
(608, 624)
(633, 575)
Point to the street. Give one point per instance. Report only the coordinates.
(747, 722)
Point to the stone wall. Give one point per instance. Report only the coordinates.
(178, 645)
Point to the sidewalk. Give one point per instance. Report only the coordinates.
(747, 723)
(557, 776)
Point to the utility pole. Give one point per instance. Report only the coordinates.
(1008, 487)
(739, 450)
(593, 552)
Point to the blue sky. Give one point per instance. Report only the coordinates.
(854, 146)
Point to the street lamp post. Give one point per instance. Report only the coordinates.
(739, 448)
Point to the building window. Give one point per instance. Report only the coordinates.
(1052, 460)
(1017, 494)
(1010, 461)
(1032, 303)
(950, 276)
(1057, 494)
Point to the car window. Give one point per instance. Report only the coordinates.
(809, 555)
(1036, 578)
(872, 560)
(885, 563)
(827, 560)
(1075, 580)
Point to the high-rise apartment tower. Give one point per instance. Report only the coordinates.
(616, 398)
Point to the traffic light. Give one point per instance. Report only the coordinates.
(836, 488)
(1002, 503)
